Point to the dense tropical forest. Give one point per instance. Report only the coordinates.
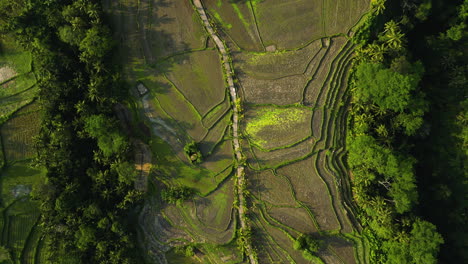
(407, 131)
(395, 132)
(88, 188)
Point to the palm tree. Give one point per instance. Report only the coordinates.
(393, 36)
(391, 26)
(376, 52)
(378, 6)
(395, 41)
(93, 94)
(382, 131)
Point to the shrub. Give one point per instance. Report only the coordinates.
(308, 245)
(193, 153)
(174, 194)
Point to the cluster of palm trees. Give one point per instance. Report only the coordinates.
(392, 39)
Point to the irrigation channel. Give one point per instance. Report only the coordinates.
(235, 123)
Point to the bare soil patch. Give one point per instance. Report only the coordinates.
(6, 72)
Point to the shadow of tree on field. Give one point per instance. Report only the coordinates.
(257, 185)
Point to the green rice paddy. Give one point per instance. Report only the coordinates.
(291, 77)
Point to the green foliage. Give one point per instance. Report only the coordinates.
(397, 252)
(420, 246)
(175, 194)
(85, 237)
(193, 153)
(188, 250)
(126, 172)
(87, 194)
(385, 87)
(308, 245)
(425, 242)
(110, 140)
(364, 32)
(457, 32)
(423, 10)
(277, 118)
(388, 113)
(96, 44)
(378, 6)
(68, 35)
(5, 256)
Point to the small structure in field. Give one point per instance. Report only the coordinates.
(142, 90)
(271, 48)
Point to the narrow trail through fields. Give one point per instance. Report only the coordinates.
(235, 122)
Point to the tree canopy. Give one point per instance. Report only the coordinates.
(386, 87)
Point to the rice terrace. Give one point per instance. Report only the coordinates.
(224, 131)
(260, 86)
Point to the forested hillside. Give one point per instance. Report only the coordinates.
(88, 187)
(407, 131)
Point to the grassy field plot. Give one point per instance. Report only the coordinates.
(221, 158)
(341, 15)
(296, 218)
(177, 172)
(237, 21)
(17, 180)
(174, 257)
(317, 123)
(215, 211)
(317, 85)
(274, 65)
(205, 233)
(18, 133)
(330, 180)
(19, 229)
(270, 188)
(267, 247)
(342, 248)
(228, 253)
(20, 218)
(13, 60)
(177, 108)
(277, 77)
(30, 248)
(272, 127)
(282, 239)
(8, 105)
(215, 114)
(153, 29)
(312, 191)
(283, 91)
(275, 158)
(18, 84)
(199, 79)
(215, 135)
(289, 24)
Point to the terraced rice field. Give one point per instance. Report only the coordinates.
(290, 62)
(20, 121)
